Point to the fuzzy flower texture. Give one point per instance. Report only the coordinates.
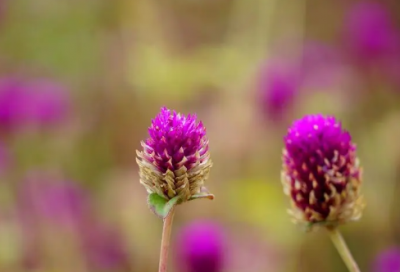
(321, 172)
(175, 160)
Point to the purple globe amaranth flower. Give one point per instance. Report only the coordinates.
(175, 160)
(321, 172)
(201, 247)
(370, 31)
(279, 83)
(387, 261)
(25, 102)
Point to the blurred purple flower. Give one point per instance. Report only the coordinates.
(48, 201)
(278, 86)
(370, 31)
(388, 261)
(58, 201)
(104, 248)
(32, 102)
(201, 247)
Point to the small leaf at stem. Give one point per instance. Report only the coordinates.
(161, 206)
(204, 193)
(199, 196)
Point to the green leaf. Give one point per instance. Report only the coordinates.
(161, 206)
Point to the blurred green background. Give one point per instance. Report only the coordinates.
(122, 60)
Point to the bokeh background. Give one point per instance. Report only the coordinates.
(80, 82)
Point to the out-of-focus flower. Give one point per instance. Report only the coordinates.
(59, 201)
(201, 247)
(175, 160)
(321, 172)
(26, 102)
(370, 31)
(278, 86)
(104, 248)
(47, 206)
(388, 261)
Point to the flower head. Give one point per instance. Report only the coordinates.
(201, 247)
(175, 160)
(388, 261)
(321, 172)
(370, 31)
(279, 84)
(31, 102)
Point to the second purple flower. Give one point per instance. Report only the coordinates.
(321, 172)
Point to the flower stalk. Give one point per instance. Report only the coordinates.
(343, 250)
(165, 240)
(173, 165)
